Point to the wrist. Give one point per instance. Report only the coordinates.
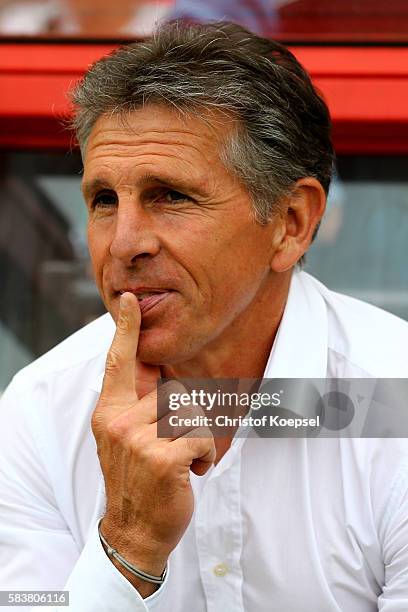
(134, 549)
(145, 589)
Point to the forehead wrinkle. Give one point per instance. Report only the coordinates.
(174, 163)
(210, 124)
(116, 148)
(146, 159)
(206, 135)
(172, 154)
(105, 131)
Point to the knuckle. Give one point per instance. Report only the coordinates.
(113, 362)
(193, 445)
(118, 429)
(123, 324)
(114, 431)
(138, 443)
(97, 421)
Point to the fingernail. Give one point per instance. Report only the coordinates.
(124, 300)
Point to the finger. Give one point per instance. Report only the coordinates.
(155, 405)
(135, 412)
(167, 393)
(197, 448)
(120, 375)
(176, 424)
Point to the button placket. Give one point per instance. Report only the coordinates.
(218, 537)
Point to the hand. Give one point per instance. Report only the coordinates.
(149, 500)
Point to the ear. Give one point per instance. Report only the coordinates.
(299, 216)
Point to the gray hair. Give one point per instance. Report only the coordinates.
(283, 125)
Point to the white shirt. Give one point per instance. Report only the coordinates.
(280, 525)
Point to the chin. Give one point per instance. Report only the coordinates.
(157, 348)
(164, 346)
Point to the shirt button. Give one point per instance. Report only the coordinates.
(221, 569)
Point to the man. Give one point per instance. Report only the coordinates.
(207, 159)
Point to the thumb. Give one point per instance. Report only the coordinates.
(119, 379)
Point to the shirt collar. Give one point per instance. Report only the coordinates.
(300, 346)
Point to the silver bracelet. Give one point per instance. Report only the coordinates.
(112, 552)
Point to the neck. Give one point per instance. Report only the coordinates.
(243, 349)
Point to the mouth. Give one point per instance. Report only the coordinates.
(148, 298)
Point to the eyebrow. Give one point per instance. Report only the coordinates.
(98, 184)
(91, 187)
(177, 184)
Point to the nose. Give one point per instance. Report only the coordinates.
(134, 234)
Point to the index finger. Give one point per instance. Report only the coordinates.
(120, 379)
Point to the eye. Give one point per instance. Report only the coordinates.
(175, 196)
(171, 196)
(105, 199)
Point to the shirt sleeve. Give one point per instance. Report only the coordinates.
(95, 584)
(394, 597)
(37, 550)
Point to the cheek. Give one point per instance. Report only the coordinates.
(98, 250)
(240, 267)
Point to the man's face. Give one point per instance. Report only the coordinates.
(169, 222)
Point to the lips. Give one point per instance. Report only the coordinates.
(147, 297)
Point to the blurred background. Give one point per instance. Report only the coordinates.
(357, 54)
